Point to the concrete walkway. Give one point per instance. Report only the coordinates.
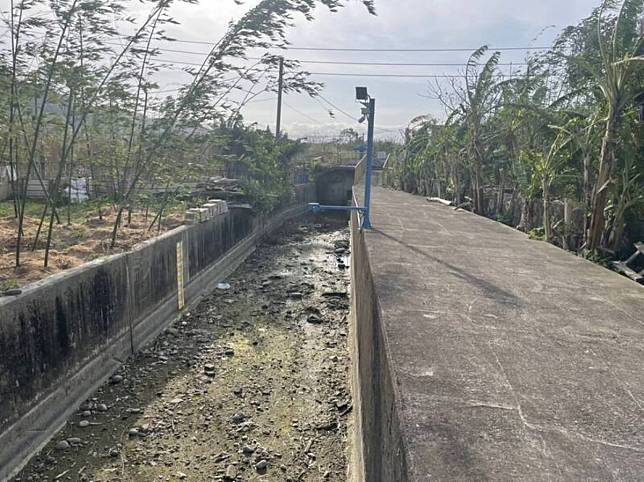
(513, 359)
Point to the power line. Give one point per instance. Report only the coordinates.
(167, 91)
(196, 42)
(331, 49)
(358, 74)
(177, 62)
(427, 76)
(199, 64)
(343, 49)
(327, 49)
(353, 118)
(326, 109)
(383, 131)
(396, 64)
(261, 100)
(338, 62)
(302, 113)
(183, 87)
(346, 74)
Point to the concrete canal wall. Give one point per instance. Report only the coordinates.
(64, 336)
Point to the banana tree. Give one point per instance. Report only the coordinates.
(549, 168)
(619, 53)
(630, 191)
(480, 95)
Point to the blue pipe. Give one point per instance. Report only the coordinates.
(317, 207)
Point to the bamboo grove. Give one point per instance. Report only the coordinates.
(562, 135)
(79, 96)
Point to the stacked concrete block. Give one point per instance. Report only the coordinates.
(222, 206)
(210, 210)
(204, 214)
(191, 217)
(197, 215)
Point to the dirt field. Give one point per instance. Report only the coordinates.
(252, 385)
(86, 238)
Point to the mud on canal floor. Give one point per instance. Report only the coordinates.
(250, 385)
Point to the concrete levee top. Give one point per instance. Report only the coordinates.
(513, 359)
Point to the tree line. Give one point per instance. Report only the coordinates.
(564, 131)
(79, 96)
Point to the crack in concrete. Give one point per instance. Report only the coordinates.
(623, 384)
(544, 428)
(490, 405)
(621, 310)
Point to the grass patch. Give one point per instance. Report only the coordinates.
(9, 284)
(79, 213)
(80, 232)
(6, 209)
(32, 208)
(538, 234)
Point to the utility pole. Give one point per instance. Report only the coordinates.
(371, 117)
(280, 89)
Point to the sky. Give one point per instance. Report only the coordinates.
(400, 24)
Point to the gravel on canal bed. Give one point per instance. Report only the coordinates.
(250, 385)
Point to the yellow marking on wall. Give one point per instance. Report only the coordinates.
(180, 292)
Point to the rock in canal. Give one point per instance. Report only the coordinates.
(314, 319)
(116, 379)
(231, 473)
(238, 418)
(62, 445)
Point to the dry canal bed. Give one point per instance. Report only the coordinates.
(250, 385)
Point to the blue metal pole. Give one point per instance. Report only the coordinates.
(366, 221)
